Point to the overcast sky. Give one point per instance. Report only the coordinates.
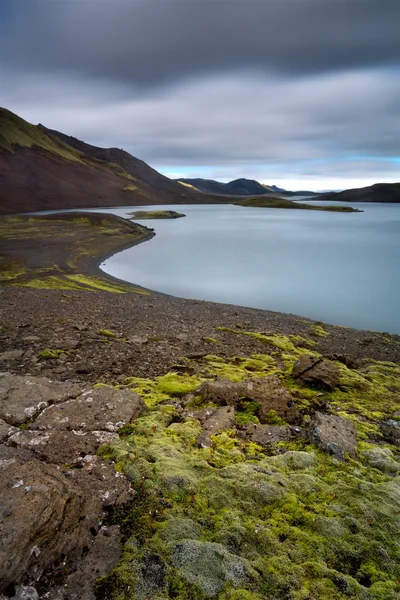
(304, 94)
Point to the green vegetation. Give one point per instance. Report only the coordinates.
(155, 214)
(48, 354)
(235, 521)
(73, 242)
(107, 333)
(189, 185)
(271, 202)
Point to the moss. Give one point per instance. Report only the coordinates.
(107, 333)
(211, 340)
(48, 354)
(176, 384)
(155, 214)
(300, 523)
(319, 331)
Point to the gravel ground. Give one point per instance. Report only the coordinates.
(153, 332)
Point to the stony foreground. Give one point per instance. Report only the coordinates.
(238, 454)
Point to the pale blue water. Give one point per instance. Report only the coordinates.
(338, 268)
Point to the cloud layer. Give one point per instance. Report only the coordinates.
(236, 87)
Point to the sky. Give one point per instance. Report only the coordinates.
(303, 94)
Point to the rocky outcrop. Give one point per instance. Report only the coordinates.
(268, 392)
(390, 430)
(333, 434)
(313, 370)
(50, 510)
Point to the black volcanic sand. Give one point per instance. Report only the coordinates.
(152, 333)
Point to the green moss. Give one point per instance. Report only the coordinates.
(155, 214)
(319, 331)
(211, 340)
(48, 354)
(300, 524)
(107, 333)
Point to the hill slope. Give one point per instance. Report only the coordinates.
(379, 192)
(42, 169)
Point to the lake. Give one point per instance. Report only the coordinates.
(334, 267)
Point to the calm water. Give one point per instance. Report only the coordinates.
(339, 268)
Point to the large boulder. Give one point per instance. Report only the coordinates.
(268, 392)
(333, 434)
(21, 398)
(222, 419)
(37, 501)
(104, 408)
(313, 370)
(48, 512)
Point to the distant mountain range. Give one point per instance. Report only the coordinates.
(43, 169)
(379, 192)
(238, 187)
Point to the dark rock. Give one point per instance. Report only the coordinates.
(22, 397)
(104, 408)
(62, 447)
(42, 501)
(267, 435)
(390, 430)
(316, 371)
(333, 434)
(101, 558)
(201, 414)
(222, 419)
(11, 355)
(6, 430)
(268, 392)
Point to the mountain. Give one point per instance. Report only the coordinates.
(42, 169)
(379, 192)
(238, 187)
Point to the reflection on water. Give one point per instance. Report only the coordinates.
(335, 267)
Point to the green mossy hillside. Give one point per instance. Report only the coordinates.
(237, 521)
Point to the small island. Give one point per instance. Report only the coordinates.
(155, 214)
(272, 202)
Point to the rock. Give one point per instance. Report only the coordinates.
(268, 392)
(11, 355)
(101, 558)
(201, 414)
(267, 435)
(390, 430)
(316, 371)
(22, 397)
(6, 430)
(104, 408)
(23, 593)
(62, 447)
(31, 339)
(41, 500)
(136, 339)
(333, 434)
(222, 419)
(209, 565)
(382, 459)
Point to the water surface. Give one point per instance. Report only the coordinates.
(342, 268)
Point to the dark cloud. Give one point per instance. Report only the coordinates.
(149, 42)
(271, 89)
